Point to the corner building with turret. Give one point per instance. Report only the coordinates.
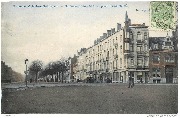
(117, 55)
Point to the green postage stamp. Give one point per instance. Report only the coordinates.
(163, 14)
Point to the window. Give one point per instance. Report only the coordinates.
(155, 46)
(139, 48)
(155, 69)
(156, 58)
(120, 37)
(156, 72)
(113, 64)
(131, 35)
(120, 60)
(145, 35)
(127, 35)
(139, 61)
(146, 61)
(169, 58)
(167, 43)
(121, 49)
(139, 36)
(145, 47)
(131, 46)
(132, 61)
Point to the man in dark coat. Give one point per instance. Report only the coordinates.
(131, 82)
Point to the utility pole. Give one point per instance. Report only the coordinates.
(26, 72)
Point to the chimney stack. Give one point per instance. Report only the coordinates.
(101, 38)
(118, 26)
(108, 32)
(112, 30)
(104, 35)
(95, 42)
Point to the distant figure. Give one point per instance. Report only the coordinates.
(141, 80)
(131, 82)
(30, 80)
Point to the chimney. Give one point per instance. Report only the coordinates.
(98, 40)
(108, 32)
(126, 17)
(118, 26)
(112, 30)
(94, 42)
(101, 38)
(129, 21)
(104, 35)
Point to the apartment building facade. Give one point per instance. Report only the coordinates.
(163, 63)
(117, 55)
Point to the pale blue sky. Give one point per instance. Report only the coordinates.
(49, 33)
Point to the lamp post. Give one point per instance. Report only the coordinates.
(26, 61)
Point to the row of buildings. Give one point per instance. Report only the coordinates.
(128, 52)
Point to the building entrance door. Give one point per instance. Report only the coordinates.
(169, 74)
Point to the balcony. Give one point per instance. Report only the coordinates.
(107, 58)
(139, 41)
(107, 70)
(115, 56)
(131, 54)
(126, 51)
(126, 40)
(142, 67)
(115, 45)
(140, 52)
(114, 68)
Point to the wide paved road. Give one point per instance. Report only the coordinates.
(83, 98)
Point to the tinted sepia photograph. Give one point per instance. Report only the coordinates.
(89, 57)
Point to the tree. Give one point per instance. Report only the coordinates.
(35, 67)
(56, 67)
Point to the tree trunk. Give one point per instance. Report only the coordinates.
(59, 76)
(52, 79)
(36, 77)
(62, 76)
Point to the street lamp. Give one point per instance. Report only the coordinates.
(26, 72)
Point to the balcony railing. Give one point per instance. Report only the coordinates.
(139, 41)
(126, 51)
(140, 52)
(142, 67)
(115, 56)
(107, 70)
(115, 45)
(126, 40)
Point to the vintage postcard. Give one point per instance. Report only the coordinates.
(89, 57)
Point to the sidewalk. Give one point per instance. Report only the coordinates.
(57, 84)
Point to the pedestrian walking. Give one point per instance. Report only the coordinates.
(131, 82)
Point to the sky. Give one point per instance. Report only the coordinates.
(57, 29)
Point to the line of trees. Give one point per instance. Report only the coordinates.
(8, 75)
(58, 68)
